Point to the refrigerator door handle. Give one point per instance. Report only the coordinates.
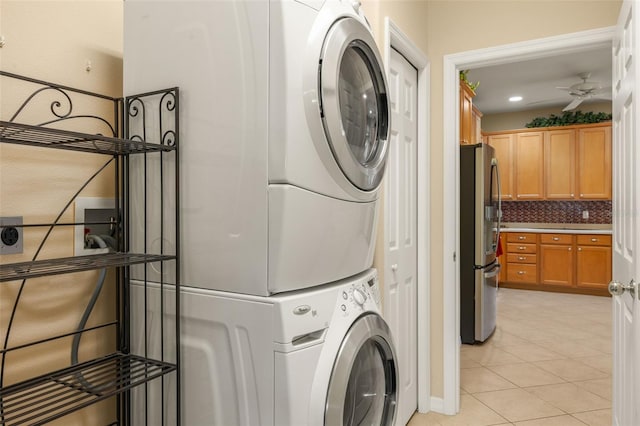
(494, 163)
(494, 271)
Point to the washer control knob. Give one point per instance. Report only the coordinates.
(343, 307)
(359, 297)
(345, 296)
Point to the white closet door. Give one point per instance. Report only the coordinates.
(400, 302)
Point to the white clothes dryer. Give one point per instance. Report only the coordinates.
(320, 357)
(284, 124)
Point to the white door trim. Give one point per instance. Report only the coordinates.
(394, 37)
(515, 52)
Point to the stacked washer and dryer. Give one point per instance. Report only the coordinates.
(284, 123)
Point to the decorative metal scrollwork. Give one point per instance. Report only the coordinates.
(61, 108)
(168, 102)
(151, 117)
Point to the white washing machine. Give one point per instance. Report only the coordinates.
(318, 357)
(284, 123)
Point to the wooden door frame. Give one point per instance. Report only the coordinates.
(452, 64)
(395, 38)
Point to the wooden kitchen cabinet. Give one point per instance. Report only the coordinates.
(466, 111)
(522, 237)
(476, 125)
(569, 263)
(503, 259)
(593, 261)
(503, 144)
(529, 166)
(559, 165)
(556, 260)
(594, 163)
(521, 258)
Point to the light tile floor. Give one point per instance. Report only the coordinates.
(547, 364)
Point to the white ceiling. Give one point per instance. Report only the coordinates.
(536, 81)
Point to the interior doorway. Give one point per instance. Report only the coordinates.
(452, 65)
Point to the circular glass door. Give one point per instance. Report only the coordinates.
(354, 103)
(363, 383)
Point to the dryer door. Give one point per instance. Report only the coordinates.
(363, 383)
(354, 104)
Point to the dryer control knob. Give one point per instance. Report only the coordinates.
(358, 296)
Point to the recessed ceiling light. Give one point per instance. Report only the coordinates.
(515, 99)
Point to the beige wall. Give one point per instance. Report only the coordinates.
(517, 120)
(52, 41)
(444, 27)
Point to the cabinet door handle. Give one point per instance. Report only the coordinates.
(521, 258)
(556, 239)
(520, 272)
(594, 240)
(572, 195)
(521, 237)
(569, 248)
(579, 248)
(521, 248)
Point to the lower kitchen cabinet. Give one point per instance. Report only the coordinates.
(593, 261)
(556, 260)
(521, 256)
(574, 263)
(503, 259)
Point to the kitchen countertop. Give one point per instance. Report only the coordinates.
(558, 228)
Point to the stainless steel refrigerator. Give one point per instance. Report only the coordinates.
(480, 212)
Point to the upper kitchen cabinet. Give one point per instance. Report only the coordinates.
(476, 125)
(503, 145)
(559, 164)
(466, 111)
(529, 166)
(594, 163)
(555, 163)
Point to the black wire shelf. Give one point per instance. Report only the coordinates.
(66, 265)
(77, 120)
(24, 134)
(51, 396)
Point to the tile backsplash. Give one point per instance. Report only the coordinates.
(556, 211)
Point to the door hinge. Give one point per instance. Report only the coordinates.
(454, 256)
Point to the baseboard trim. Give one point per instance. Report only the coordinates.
(437, 405)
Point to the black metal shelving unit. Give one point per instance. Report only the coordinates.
(142, 125)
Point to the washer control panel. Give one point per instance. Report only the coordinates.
(360, 296)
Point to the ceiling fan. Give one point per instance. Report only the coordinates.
(583, 90)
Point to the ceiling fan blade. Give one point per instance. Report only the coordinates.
(574, 103)
(602, 91)
(547, 101)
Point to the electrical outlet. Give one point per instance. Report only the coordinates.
(585, 214)
(11, 235)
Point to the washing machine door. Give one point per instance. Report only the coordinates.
(354, 102)
(363, 383)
